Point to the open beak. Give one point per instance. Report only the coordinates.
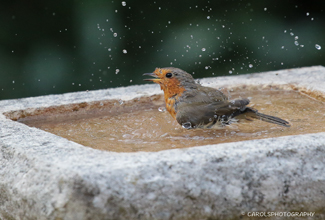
(156, 79)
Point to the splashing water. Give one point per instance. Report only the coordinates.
(161, 109)
(187, 125)
(318, 47)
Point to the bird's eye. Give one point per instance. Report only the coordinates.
(168, 75)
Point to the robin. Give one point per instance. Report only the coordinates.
(195, 106)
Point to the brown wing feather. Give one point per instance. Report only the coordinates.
(203, 95)
(208, 113)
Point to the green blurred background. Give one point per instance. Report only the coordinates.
(53, 47)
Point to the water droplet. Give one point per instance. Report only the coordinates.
(301, 45)
(282, 47)
(117, 71)
(187, 125)
(307, 14)
(285, 31)
(13, 81)
(203, 49)
(230, 72)
(115, 34)
(296, 37)
(296, 43)
(318, 47)
(208, 17)
(123, 3)
(292, 34)
(265, 9)
(120, 101)
(125, 51)
(161, 109)
(250, 65)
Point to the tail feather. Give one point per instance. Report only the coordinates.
(267, 118)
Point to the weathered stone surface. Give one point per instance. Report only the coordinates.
(43, 176)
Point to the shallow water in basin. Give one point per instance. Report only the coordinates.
(138, 125)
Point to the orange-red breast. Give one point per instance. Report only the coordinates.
(196, 106)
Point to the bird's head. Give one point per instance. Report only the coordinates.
(172, 80)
